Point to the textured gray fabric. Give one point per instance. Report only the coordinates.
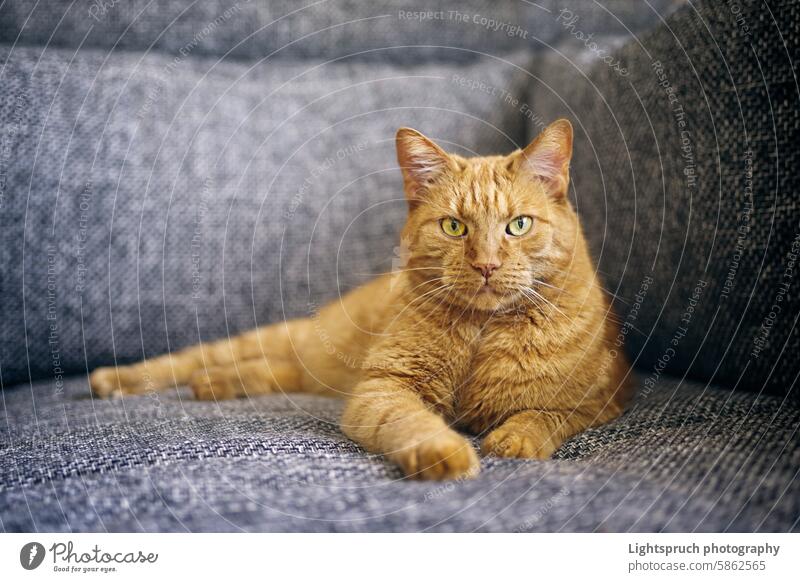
(152, 204)
(685, 458)
(316, 29)
(191, 198)
(685, 177)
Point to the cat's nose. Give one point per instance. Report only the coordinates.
(486, 269)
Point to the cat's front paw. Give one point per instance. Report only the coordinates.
(446, 455)
(519, 443)
(213, 384)
(110, 382)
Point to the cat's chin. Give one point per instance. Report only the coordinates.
(488, 299)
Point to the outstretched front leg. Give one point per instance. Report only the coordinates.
(391, 419)
(399, 408)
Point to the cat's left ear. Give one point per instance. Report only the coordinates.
(547, 158)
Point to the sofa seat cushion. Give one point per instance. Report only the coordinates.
(688, 457)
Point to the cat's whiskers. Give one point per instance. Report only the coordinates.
(410, 303)
(610, 314)
(442, 299)
(442, 288)
(419, 269)
(543, 284)
(537, 295)
(540, 307)
(532, 300)
(602, 288)
(426, 281)
(398, 271)
(402, 311)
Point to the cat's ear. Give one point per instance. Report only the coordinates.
(421, 161)
(547, 158)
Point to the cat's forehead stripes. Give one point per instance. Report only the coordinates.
(483, 190)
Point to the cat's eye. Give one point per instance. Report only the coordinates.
(519, 226)
(453, 227)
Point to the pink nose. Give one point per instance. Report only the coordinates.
(486, 269)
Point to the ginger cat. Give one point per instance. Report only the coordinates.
(496, 326)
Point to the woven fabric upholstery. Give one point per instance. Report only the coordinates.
(152, 205)
(153, 195)
(685, 458)
(453, 30)
(685, 176)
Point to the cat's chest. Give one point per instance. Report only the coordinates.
(504, 365)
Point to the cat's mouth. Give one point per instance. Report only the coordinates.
(488, 297)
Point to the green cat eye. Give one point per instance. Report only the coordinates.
(453, 227)
(519, 226)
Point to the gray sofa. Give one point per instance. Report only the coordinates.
(175, 172)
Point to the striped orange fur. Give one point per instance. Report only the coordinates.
(503, 335)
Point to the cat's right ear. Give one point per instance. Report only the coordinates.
(421, 161)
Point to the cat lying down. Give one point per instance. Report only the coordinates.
(495, 326)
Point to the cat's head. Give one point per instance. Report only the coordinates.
(483, 232)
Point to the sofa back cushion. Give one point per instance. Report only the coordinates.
(685, 177)
(149, 203)
(319, 29)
